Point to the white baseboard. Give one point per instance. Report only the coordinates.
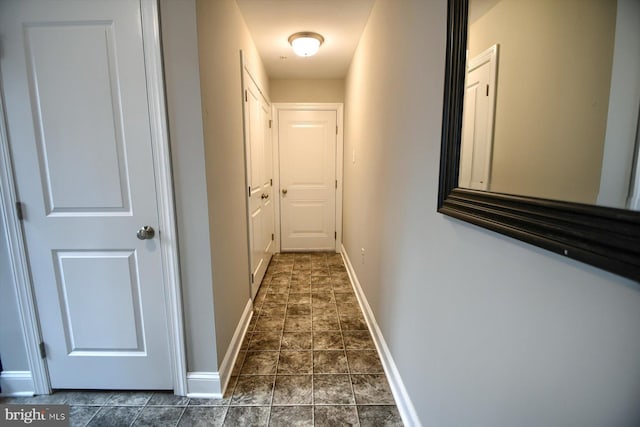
(16, 384)
(211, 385)
(403, 402)
(226, 367)
(204, 385)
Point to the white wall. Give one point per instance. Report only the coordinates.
(182, 83)
(222, 33)
(485, 330)
(306, 90)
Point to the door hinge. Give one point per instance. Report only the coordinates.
(20, 210)
(335, 235)
(336, 183)
(487, 90)
(269, 124)
(336, 129)
(246, 96)
(271, 182)
(272, 236)
(249, 191)
(43, 350)
(251, 277)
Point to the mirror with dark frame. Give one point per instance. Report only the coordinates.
(555, 164)
(551, 100)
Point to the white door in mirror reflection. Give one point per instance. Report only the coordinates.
(477, 122)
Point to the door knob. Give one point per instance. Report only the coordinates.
(264, 196)
(146, 232)
(284, 191)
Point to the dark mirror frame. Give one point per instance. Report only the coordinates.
(604, 237)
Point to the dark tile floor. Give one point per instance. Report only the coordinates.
(307, 359)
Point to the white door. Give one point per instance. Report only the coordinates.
(260, 177)
(307, 143)
(477, 122)
(73, 79)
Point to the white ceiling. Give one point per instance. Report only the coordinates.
(340, 22)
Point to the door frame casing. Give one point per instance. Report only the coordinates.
(163, 179)
(309, 106)
(247, 71)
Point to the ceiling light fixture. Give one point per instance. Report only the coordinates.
(306, 43)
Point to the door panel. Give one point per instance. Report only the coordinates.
(56, 71)
(74, 86)
(114, 289)
(259, 175)
(308, 217)
(307, 179)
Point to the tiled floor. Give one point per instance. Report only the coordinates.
(307, 359)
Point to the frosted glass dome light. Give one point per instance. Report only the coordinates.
(306, 43)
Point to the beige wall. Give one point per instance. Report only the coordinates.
(554, 75)
(485, 330)
(311, 90)
(222, 33)
(182, 83)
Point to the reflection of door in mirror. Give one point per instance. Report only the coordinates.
(633, 201)
(619, 162)
(477, 125)
(567, 100)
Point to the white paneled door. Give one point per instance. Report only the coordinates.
(74, 84)
(308, 181)
(257, 115)
(477, 124)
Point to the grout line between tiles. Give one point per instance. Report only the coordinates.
(136, 417)
(313, 362)
(92, 417)
(344, 350)
(275, 376)
(182, 414)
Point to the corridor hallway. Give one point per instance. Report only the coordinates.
(308, 353)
